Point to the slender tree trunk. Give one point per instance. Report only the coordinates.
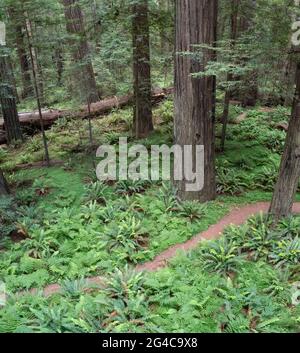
(90, 124)
(12, 80)
(143, 123)
(233, 37)
(249, 93)
(18, 23)
(97, 25)
(27, 90)
(4, 190)
(286, 187)
(37, 94)
(8, 102)
(85, 76)
(36, 62)
(196, 22)
(165, 44)
(59, 63)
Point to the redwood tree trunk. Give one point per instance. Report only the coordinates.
(289, 173)
(81, 54)
(289, 80)
(8, 102)
(4, 190)
(196, 22)
(143, 123)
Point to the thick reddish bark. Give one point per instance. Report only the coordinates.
(8, 102)
(196, 22)
(142, 119)
(289, 173)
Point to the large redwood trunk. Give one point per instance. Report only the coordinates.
(289, 173)
(196, 22)
(142, 119)
(8, 102)
(85, 77)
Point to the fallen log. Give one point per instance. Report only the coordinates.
(41, 164)
(31, 120)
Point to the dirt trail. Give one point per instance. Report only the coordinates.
(236, 216)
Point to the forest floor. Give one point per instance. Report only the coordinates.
(65, 226)
(236, 217)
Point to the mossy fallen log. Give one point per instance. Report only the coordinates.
(31, 120)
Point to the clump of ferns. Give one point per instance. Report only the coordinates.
(108, 214)
(96, 192)
(167, 194)
(130, 187)
(40, 244)
(126, 238)
(285, 251)
(255, 238)
(128, 300)
(131, 205)
(90, 211)
(221, 256)
(192, 210)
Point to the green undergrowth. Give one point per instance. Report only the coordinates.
(70, 226)
(243, 282)
(62, 225)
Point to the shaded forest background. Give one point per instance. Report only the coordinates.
(107, 28)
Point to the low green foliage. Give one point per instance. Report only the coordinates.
(96, 192)
(7, 215)
(230, 182)
(73, 227)
(130, 187)
(192, 210)
(261, 240)
(3, 155)
(221, 256)
(167, 195)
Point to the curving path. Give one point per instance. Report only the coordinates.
(237, 216)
